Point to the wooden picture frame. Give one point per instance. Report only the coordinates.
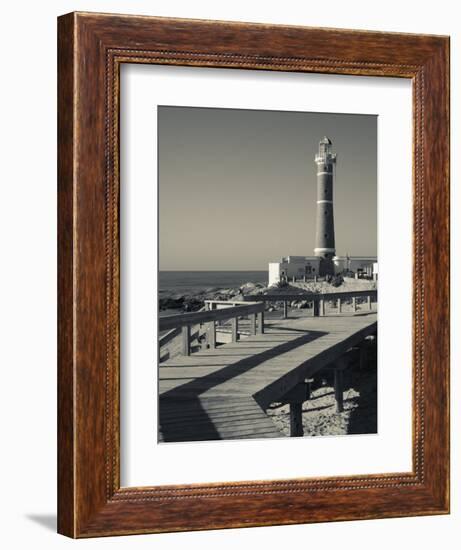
(91, 49)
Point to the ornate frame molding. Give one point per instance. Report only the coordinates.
(91, 49)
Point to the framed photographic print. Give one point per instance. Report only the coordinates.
(230, 197)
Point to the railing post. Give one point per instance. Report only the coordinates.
(211, 334)
(261, 322)
(308, 382)
(322, 307)
(295, 399)
(285, 309)
(234, 329)
(339, 383)
(315, 308)
(369, 302)
(354, 304)
(296, 420)
(185, 340)
(338, 305)
(252, 324)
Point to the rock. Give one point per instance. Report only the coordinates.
(171, 302)
(192, 304)
(248, 285)
(337, 281)
(225, 291)
(259, 291)
(281, 284)
(248, 288)
(211, 290)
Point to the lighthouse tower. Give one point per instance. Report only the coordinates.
(325, 232)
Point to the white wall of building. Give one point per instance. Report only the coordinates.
(293, 266)
(274, 273)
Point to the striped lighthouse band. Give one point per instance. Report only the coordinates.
(324, 250)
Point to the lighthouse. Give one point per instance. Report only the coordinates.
(325, 261)
(325, 231)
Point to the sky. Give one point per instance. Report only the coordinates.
(237, 188)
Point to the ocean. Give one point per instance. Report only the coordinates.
(193, 282)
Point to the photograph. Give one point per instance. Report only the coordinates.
(267, 274)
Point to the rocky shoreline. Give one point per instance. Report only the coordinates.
(194, 301)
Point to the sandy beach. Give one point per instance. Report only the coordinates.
(319, 413)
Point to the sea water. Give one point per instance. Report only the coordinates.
(194, 282)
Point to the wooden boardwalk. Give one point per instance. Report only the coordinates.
(222, 393)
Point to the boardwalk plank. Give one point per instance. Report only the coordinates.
(214, 393)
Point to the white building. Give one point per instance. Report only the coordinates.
(299, 268)
(291, 267)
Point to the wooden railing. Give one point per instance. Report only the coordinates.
(216, 311)
(318, 301)
(166, 338)
(252, 307)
